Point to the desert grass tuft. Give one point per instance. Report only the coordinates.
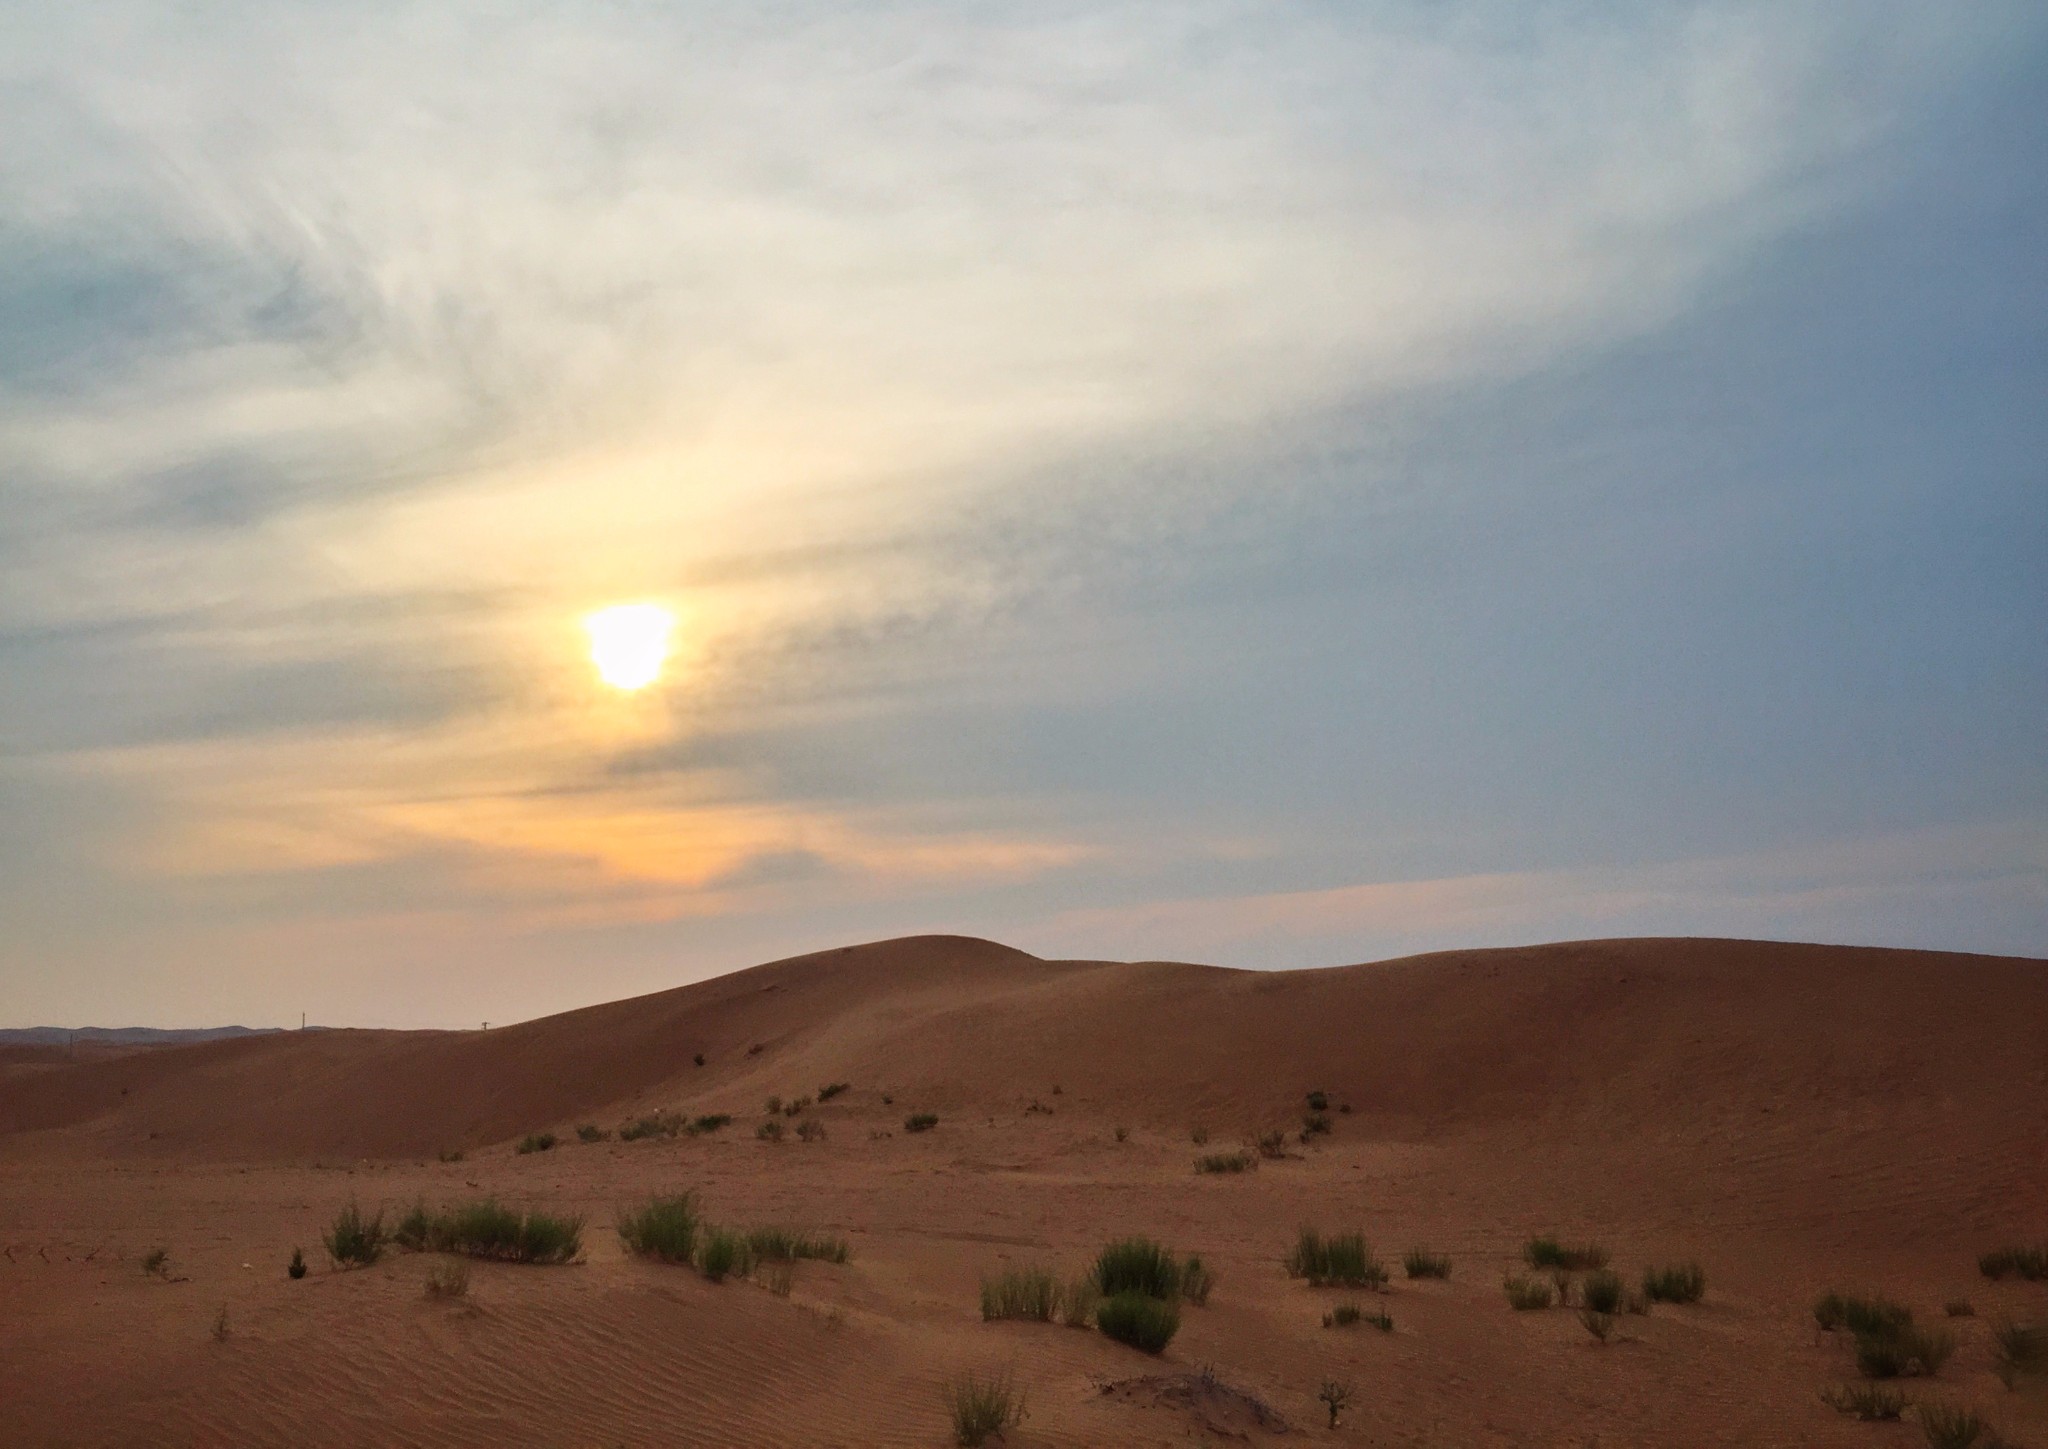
(1675, 1283)
(769, 1131)
(810, 1130)
(1954, 1426)
(1032, 1294)
(1421, 1263)
(664, 1229)
(296, 1269)
(723, 1253)
(983, 1408)
(1872, 1403)
(1341, 1260)
(1315, 1124)
(355, 1240)
(1903, 1351)
(1078, 1301)
(157, 1262)
(920, 1121)
(1602, 1292)
(1136, 1265)
(1196, 1281)
(488, 1229)
(1527, 1294)
(1858, 1314)
(1317, 1101)
(2030, 1263)
(1226, 1162)
(1344, 1315)
(591, 1132)
(1144, 1322)
(537, 1142)
(660, 1124)
(776, 1244)
(2018, 1348)
(449, 1279)
(709, 1122)
(1272, 1144)
(1598, 1323)
(779, 1278)
(832, 1089)
(1547, 1252)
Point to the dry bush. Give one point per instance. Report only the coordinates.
(982, 1408)
(448, 1279)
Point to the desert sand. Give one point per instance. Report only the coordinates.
(1795, 1118)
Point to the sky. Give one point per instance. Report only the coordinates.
(1268, 485)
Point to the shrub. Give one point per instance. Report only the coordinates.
(791, 1109)
(779, 1279)
(1675, 1283)
(1550, 1253)
(2028, 1263)
(786, 1245)
(1525, 1294)
(536, 1142)
(661, 1124)
(769, 1131)
(589, 1132)
(411, 1232)
(1951, 1426)
(486, 1229)
(1903, 1350)
(449, 1279)
(772, 1107)
(1341, 1260)
(722, 1252)
(1077, 1302)
(1226, 1162)
(920, 1121)
(353, 1239)
(1859, 1315)
(2018, 1348)
(755, 1050)
(1315, 1124)
(1602, 1292)
(811, 1130)
(1318, 1101)
(1636, 1302)
(1598, 1323)
(832, 1089)
(1421, 1263)
(296, 1269)
(1123, 1134)
(1272, 1144)
(982, 1407)
(1138, 1319)
(1196, 1281)
(452, 1154)
(698, 1059)
(709, 1122)
(1959, 1308)
(666, 1229)
(157, 1262)
(1199, 1135)
(1343, 1315)
(1137, 1265)
(1028, 1293)
(1334, 1396)
(1871, 1403)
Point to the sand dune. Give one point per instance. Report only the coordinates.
(1795, 1117)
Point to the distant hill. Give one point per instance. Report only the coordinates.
(123, 1035)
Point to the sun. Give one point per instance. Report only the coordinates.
(629, 643)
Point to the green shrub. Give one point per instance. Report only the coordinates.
(772, 1107)
(411, 1232)
(770, 1131)
(1342, 1260)
(487, 1229)
(2018, 1348)
(1675, 1283)
(709, 1122)
(1550, 1253)
(1602, 1292)
(590, 1132)
(666, 1229)
(2028, 1263)
(1859, 1315)
(920, 1121)
(354, 1239)
(1226, 1162)
(1952, 1426)
(536, 1142)
(1344, 1315)
(1318, 1101)
(1196, 1281)
(1872, 1403)
(1903, 1350)
(1421, 1263)
(1028, 1293)
(786, 1245)
(296, 1269)
(832, 1089)
(1137, 1265)
(1138, 1319)
(1525, 1294)
(982, 1407)
(1315, 1124)
(722, 1253)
